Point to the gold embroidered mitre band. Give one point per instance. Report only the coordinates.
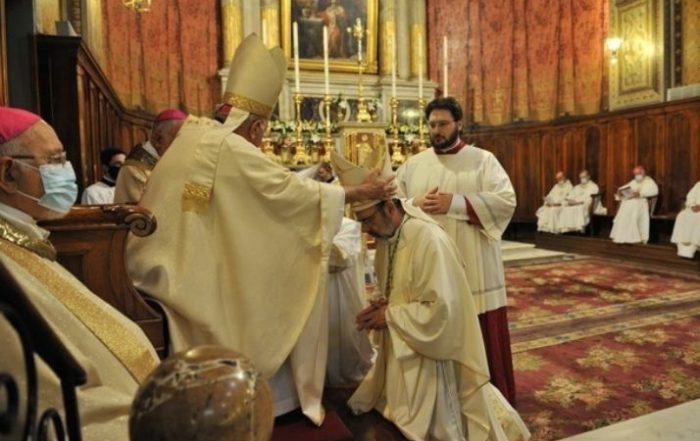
(255, 77)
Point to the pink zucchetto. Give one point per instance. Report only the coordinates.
(170, 115)
(14, 122)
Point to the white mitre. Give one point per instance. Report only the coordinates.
(352, 174)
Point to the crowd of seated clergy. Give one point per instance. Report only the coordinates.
(568, 208)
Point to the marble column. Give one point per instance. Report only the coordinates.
(271, 15)
(418, 19)
(403, 64)
(232, 27)
(387, 19)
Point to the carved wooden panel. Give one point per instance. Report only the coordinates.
(4, 94)
(78, 101)
(637, 74)
(91, 244)
(663, 137)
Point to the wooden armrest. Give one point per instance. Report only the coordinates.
(91, 244)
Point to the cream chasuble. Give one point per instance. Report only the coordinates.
(631, 223)
(477, 175)
(686, 230)
(430, 376)
(112, 350)
(240, 255)
(548, 215)
(575, 211)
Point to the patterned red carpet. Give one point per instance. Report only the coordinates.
(598, 341)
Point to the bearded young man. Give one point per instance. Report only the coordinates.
(466, 190)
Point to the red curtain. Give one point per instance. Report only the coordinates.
(526, 59)
(165, 58)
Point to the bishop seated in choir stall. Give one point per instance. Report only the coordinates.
(576, 208)
(631, 223)
(240, 256)
(430, 376)
(548, 214)
(686, 230)
(38, 183)
(141, 160)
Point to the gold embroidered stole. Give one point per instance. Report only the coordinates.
(119, 340)
(14, 235)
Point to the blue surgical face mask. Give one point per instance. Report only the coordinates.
(60, 187)
(638, 178)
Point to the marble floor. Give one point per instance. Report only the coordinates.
(518, 252)
(678, 423)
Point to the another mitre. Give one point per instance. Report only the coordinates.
(352, 174)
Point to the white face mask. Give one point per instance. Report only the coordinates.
(638, 178)
(584, 180)
(60, 188)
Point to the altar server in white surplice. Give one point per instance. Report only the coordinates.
(686, 231)
(576, 208)
(430, 377)
(631, 223)
(467, 191)
(548, 214)
(349, 350)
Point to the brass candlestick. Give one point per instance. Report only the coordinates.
(328, 140)
(396, 156)
(422, 145)
(358, 32)
(300, 156)
(267, 148)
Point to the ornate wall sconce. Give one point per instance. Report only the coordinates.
(138, 5)
(613, 45)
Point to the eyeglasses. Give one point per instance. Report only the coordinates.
(439, 124)
(57, 158)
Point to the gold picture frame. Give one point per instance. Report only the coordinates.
(312, 15)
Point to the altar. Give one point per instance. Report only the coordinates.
(356, 79)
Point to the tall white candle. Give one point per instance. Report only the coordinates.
(359, 50)
(295, 35)
(444, 66)
(393, 64)
(264, 32)
(326, 75)
(420, 67)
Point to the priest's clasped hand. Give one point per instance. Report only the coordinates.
(372, 317)
(434, 202)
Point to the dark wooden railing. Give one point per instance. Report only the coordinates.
(77, 99)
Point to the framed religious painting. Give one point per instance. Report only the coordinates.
(344, 18)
